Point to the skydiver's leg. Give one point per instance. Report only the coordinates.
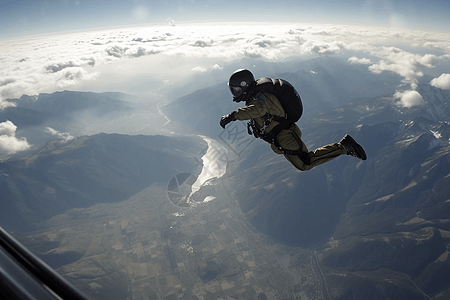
(275, 149)
(325, 154)
(290, 139)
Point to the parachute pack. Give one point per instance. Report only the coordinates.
(289, 99)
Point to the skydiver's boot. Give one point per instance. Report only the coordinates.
(353, 148)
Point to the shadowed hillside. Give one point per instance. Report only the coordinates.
(89, 170)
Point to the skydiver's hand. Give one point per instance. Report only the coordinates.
(227, 119)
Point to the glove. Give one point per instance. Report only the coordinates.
(227, 119)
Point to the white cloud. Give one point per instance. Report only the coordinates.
(73, 75)
(60, 135)
(409, 98)
(324, 47)
(4, 104)
(442, 82)
(202, 69)
(362, 61)
(408, 65)
(428, 60)
(199, 69)
(395, 60)
(9, 143)
(52, 63)
(8, 128)
(171, 21)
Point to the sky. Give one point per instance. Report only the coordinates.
(143, 47)
(28, 17)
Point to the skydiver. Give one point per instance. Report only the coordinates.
(274, 124)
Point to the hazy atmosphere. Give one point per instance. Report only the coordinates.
(114, 169)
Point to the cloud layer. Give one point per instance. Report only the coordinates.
(409, 98)
(9, 143)
(63, 136)
(442, 82)
(47, 64)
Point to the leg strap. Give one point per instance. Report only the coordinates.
(304, 156)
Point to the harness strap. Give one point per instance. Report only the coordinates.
(283, 124)
(271, 136)
(304, 156)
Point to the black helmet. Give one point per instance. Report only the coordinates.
(240, 81)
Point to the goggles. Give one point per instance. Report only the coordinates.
(236, 91)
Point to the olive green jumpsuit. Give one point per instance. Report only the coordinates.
(290, 138)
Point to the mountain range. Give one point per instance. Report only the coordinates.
(323, 83)
(382, 225)
(377, 229)
(67, 112)
(87, 170)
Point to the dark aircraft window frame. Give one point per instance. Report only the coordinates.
(24, 276)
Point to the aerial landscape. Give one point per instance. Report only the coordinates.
(115, 172)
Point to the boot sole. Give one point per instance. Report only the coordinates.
(358, 149)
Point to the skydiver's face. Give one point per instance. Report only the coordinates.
(236, 91)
